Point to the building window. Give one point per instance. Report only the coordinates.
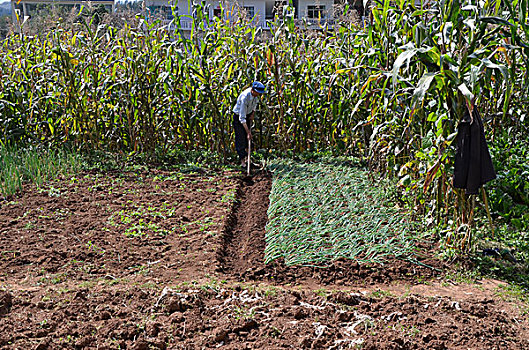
(316, 11)
(167, 12)
(279, 5)
(217, 12)
(250, 11)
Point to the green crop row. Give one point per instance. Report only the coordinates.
(320, 212)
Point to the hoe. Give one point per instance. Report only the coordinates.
(248, 161)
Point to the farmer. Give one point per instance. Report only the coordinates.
(243, 114)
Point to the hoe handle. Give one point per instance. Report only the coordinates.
(249, 152)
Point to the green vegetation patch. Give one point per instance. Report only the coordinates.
(142, 220)
(325, 211)
(19, 165)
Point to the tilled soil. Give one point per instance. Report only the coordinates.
(159, 260)
(115, 226)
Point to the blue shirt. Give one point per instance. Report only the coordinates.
(246, 104)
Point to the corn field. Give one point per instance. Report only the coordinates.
(139, 89)
(392, 92)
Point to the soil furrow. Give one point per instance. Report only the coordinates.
(243, 241)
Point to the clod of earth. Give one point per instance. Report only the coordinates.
(6, 301)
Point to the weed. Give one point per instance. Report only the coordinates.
(94, 248)
(514, 293)
(413, 331)
(423, 280)
(269, 291)
(149, 285)
(275, 333)
(229, 197)
(141, 269)
(461, 276)
(322, 292)
(380, 294)
(243, 313)
(26, 214)
(87, 284)
(61, 214)
(407, 292)
(140, 221)
(29, 225)
(9, 253)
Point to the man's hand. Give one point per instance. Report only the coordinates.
(248, 131)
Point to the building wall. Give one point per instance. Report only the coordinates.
(262, 9)
(303, 7)
(159, 9)
(259, 8)
(231, 12)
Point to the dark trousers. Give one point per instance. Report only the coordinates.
(241, 137)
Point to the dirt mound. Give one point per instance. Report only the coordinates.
(255, 318)
(115, 226)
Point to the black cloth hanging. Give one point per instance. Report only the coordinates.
(473, 166)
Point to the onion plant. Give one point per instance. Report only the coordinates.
(34, 165)
(320, 212)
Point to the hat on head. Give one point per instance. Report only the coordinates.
(258, 86)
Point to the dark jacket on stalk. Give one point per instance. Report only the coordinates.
(473, 166)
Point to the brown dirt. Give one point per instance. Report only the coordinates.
(114, 226)
(159, 260)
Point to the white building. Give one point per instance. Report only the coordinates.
(314, 12)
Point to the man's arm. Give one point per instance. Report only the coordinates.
(243, 111)
(243, 115)
(248, 131)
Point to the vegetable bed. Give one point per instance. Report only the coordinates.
(323, 211)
